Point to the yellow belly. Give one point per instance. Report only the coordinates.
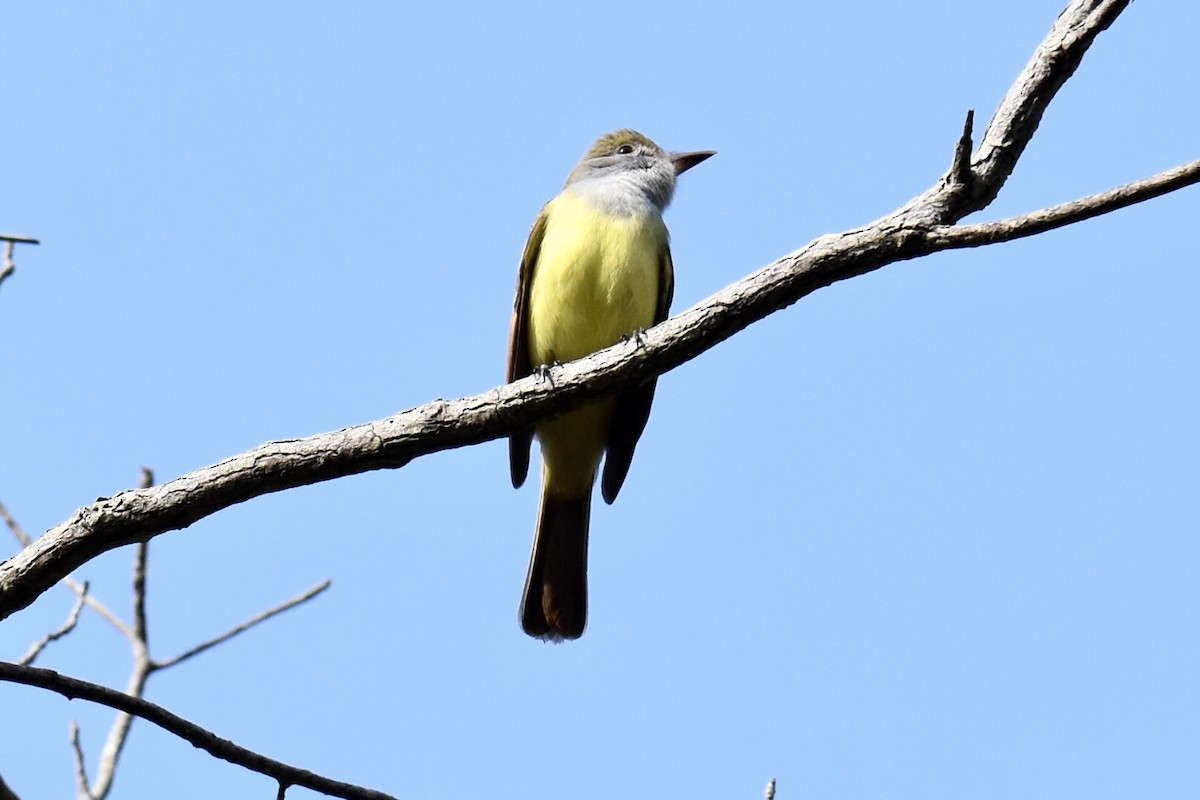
(596, 280)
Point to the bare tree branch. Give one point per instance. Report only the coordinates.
(17, 531)
(224, 749)
(138, 637)
(142, 554)
(1048, 219)
(245, 626)
(80, 589)
(917, 229)
(143, 664)
(118, 734)
(1020, 113)
(140, 633)
(81, 779)
(54, 636)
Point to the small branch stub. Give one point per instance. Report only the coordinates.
(960, 170)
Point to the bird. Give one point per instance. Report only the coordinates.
(596, 269)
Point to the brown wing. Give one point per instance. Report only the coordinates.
(632, 409)
(518, 346)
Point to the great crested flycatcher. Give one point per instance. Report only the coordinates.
(596, 268)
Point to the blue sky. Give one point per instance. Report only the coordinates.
(932, 532)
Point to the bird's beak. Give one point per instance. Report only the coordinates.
(685, 161)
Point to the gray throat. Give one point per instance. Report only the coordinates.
(631, 192)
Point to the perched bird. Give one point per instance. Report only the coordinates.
(597, 268)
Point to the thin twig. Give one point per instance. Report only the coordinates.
(14, 526)
(245, 626)
(188, 731)
(140, 631)
(1006, 230)
(141, 554)
(118, 734)
(143, 665)
(54, 636)
(81, 779)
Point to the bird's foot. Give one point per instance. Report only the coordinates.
(638, 337)
(543, 371)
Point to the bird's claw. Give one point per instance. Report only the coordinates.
(543, 371)
(638, 336)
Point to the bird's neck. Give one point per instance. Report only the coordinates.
(627, 195)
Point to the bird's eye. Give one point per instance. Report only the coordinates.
(624, 150)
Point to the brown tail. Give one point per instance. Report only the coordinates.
(554, 605)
